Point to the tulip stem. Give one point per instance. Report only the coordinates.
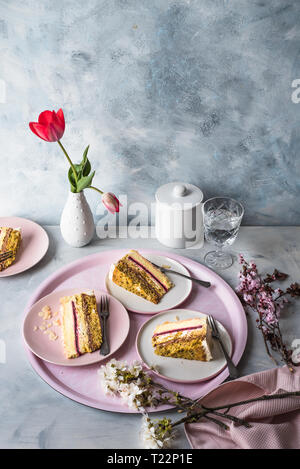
(69, 159)
(95, 189)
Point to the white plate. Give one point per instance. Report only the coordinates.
(177, 369)
(174, 297)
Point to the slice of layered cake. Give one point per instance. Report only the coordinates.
(189, 338)
(80, 324)
(10, 240)
(139, 276)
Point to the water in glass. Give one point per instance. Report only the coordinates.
(221, 226)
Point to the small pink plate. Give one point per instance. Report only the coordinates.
(52, 351)
(34, 244)
(181, 370)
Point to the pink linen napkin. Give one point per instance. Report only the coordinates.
(275, 423)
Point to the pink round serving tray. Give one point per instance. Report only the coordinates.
(82, 383)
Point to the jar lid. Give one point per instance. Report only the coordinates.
(182, 195)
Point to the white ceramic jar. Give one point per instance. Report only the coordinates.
(178, 215)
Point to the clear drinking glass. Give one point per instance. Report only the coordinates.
(222, 218)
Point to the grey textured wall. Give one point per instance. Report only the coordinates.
(163, 90)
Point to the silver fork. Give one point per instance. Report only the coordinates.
(104, 314)
(203, 283)
(5, 255)
(233, 372)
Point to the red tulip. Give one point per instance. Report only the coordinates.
(50, 127)
(111, 202)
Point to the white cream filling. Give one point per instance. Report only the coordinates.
(163, 337)
(89, 292)
(2, 236)
(111, 271)
(207, 350)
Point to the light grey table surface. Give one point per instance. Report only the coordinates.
(32, 415)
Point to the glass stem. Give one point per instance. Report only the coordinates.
(219, 249)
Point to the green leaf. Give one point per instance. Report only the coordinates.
(78, 169)
(84, 158)
(83, 170)
(72, 180)
(86, 168)
(85, 164)
(85, 181)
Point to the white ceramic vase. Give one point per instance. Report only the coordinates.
(77, 223)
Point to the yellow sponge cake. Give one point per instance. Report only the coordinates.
(80, 324)
(139, 276)
(189, 338)
(10, 240)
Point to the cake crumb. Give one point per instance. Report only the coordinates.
(52, 336)
(47, 313)
(42, 328)
(35, 328)
(57, 322)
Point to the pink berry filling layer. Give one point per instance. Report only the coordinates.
(148, 272)
(177, 330)
(75, 328)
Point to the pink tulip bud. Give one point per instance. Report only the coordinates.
(111, 202)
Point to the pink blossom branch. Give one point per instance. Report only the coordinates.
(257, 293)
